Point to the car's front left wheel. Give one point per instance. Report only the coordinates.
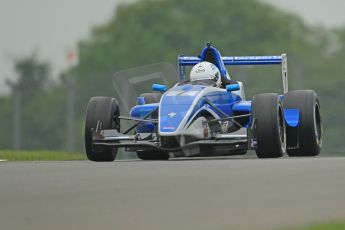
(269, 125)
(106, 111)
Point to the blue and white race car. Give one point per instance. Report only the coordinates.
(207, 114)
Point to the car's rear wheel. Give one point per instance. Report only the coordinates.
(269, 125)
(306, 138)
(106, 111)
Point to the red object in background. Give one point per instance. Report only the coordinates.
(72, 57)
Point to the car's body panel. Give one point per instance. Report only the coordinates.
(292, 117)
(242, 106)
(140, 111)
(180, 105)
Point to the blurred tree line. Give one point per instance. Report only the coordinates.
(151, 31)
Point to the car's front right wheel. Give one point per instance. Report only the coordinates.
(306, 138)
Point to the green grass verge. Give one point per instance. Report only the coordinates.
(39, 155)
(324, 226)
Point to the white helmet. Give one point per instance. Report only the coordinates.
(206, 72)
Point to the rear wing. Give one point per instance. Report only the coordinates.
(184, 61)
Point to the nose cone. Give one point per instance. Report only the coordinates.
(175, 106)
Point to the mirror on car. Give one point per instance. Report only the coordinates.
(232, 87)
(159, 88)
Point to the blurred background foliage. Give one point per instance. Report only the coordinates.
(149, 31)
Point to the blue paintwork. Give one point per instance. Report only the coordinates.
(145, 127)
(221, 62)
(242, 106)
(159, 88)
(140, 111)
(292, 117)
(232, 87)
(235, 60)
(218, 58)
(176, 103)
(253, 60)
(141, 101)
(224, 101)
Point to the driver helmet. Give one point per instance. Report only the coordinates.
(206, 73)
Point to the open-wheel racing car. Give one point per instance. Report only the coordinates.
(199, 117)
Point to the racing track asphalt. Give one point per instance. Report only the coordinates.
(225, 193)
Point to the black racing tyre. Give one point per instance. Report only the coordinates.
(150, 98)
(106, 110)
(307, 136)
(269, 125)
(152, 155)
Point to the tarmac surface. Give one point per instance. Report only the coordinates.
(218, 193)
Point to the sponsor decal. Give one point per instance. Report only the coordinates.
(245, 58)
(200, 70)
(172, 114)
(224, 126)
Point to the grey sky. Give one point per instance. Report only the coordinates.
(53, 26)
(328, 13)
(49, 26)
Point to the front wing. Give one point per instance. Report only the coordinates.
(150, 141)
